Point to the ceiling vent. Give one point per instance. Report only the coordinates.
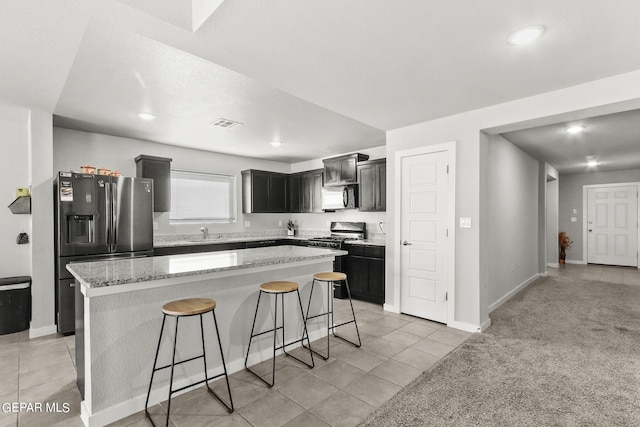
(225, 123)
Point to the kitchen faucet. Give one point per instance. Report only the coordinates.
(205, 232)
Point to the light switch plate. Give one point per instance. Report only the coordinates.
(465, 222)
(247, 223)
(575, 211)
(574, 219)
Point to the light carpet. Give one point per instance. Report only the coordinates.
(562, 352)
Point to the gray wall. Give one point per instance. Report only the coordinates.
(571, 198)
(512, 227)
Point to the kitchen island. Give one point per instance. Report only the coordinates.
(118, 318)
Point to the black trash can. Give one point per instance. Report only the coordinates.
(15, 304)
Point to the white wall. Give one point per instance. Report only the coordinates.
(40, 144)
(512, 227)
(74, 148)
(607, 95)
(571, 198)
(15, 173)
(26, 162)
(552, 200)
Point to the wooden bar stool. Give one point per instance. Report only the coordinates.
(278, 288)
(179, 309)
(331, 278)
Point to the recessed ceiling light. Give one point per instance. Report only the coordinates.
(146, 116)
(526, 35)
(592, 163)
(275, 143)
(575, 129)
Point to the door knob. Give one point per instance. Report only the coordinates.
(590, 230)
(405, 243)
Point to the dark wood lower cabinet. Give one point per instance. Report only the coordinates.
(365, 270)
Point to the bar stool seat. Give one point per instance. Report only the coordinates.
(278, 288)
(180, 309)
(331, 277)
(188, 307)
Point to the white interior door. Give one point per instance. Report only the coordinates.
(423, 260)
(612, 225)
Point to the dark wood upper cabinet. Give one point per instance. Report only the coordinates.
(372, 178)
(343, 169)
(264, 192)
(158, 169)
(311, 191)
(295, 193)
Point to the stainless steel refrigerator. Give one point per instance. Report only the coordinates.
(97, 217)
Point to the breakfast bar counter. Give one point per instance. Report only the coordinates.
(119, 313)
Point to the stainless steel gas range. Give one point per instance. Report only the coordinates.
(341, 232)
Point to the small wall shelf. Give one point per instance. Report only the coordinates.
(21, 205)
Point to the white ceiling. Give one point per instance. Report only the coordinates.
(323, 77)
(612, 140)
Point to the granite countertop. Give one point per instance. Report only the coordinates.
(116, 272)
(215, 241)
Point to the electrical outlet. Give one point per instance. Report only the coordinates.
(247, 223)
(155, 225)
(279, 223)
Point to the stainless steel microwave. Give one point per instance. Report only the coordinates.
(339, 197)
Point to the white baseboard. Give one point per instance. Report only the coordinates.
(41, 332)
(553, 265)
(131, 406)
(464, 326)
(485, 325)
(513, 292)
(391, 308)
(572, 261)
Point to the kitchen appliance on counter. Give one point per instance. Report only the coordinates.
(97, 217)
(341, 232)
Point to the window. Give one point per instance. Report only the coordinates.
(202, 197)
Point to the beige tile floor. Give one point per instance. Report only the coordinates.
(339, 392)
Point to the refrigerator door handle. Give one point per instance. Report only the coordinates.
(114, 215)
(108, 214)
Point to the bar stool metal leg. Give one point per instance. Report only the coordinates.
(305, 333)
(202, 309)
(275, 337)
(173, 365)
(331, 326)
(153, 372)
(224, 367)
(353, 313)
